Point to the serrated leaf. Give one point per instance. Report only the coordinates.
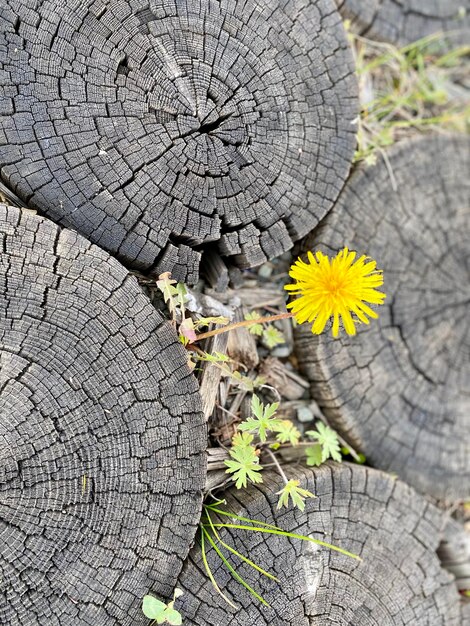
(220, 320)
(293, 491)
(287, 432)
(181, 297)
(166, 285)
(255, 329)
(242, 439)
(244, 464)
(272, 337)
(263, 420)
(215, 357)
(328, 440)
(314, 455)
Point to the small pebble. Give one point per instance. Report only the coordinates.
(281, 351)
(265, 270)
(304, 414)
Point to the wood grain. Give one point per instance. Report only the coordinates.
(161, 129)
(399, 391)
(396, 532)
(102, 437)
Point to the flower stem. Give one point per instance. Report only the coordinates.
(259, 320)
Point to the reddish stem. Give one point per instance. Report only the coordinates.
(244, 323)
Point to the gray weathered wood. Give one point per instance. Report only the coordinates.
(212, 374)
(287, 382)
(102, 436)
(241, 344)
(401, 22)
(160, 129)
(400, 390)
(454, 553)
(395, 531)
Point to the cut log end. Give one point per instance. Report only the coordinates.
(394, 530)
(399, 390)
(102, 459)
(163, 131)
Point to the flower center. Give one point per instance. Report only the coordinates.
(335, 287)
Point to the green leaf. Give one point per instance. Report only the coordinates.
(173, 617)
(357, 457)
(328, 440)
(272, 337)
(153, 608)
(181, 296)
(263, 420)
(241, 440)
(255, 329)
(287, 432)
(314, 455)
(244, 464)
(293, 491)
(167, 286)
(215, 357)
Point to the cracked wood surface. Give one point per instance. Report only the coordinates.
(401, 22)
(395, 531)
(102, 437)
(161, 129)
(399, 391)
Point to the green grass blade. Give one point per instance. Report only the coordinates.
(209, 571)
(399, 54)
(232, 570)
(284, 533)
(241, 556)
(239, 517)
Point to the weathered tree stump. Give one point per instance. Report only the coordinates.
(395, 531)
(162, 129)
(401, 22)
(399, 390)
(102, 436)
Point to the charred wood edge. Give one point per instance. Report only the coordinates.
(215, 271)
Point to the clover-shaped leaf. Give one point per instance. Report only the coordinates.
(160, 612)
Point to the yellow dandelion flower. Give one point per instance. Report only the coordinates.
(335, 288)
